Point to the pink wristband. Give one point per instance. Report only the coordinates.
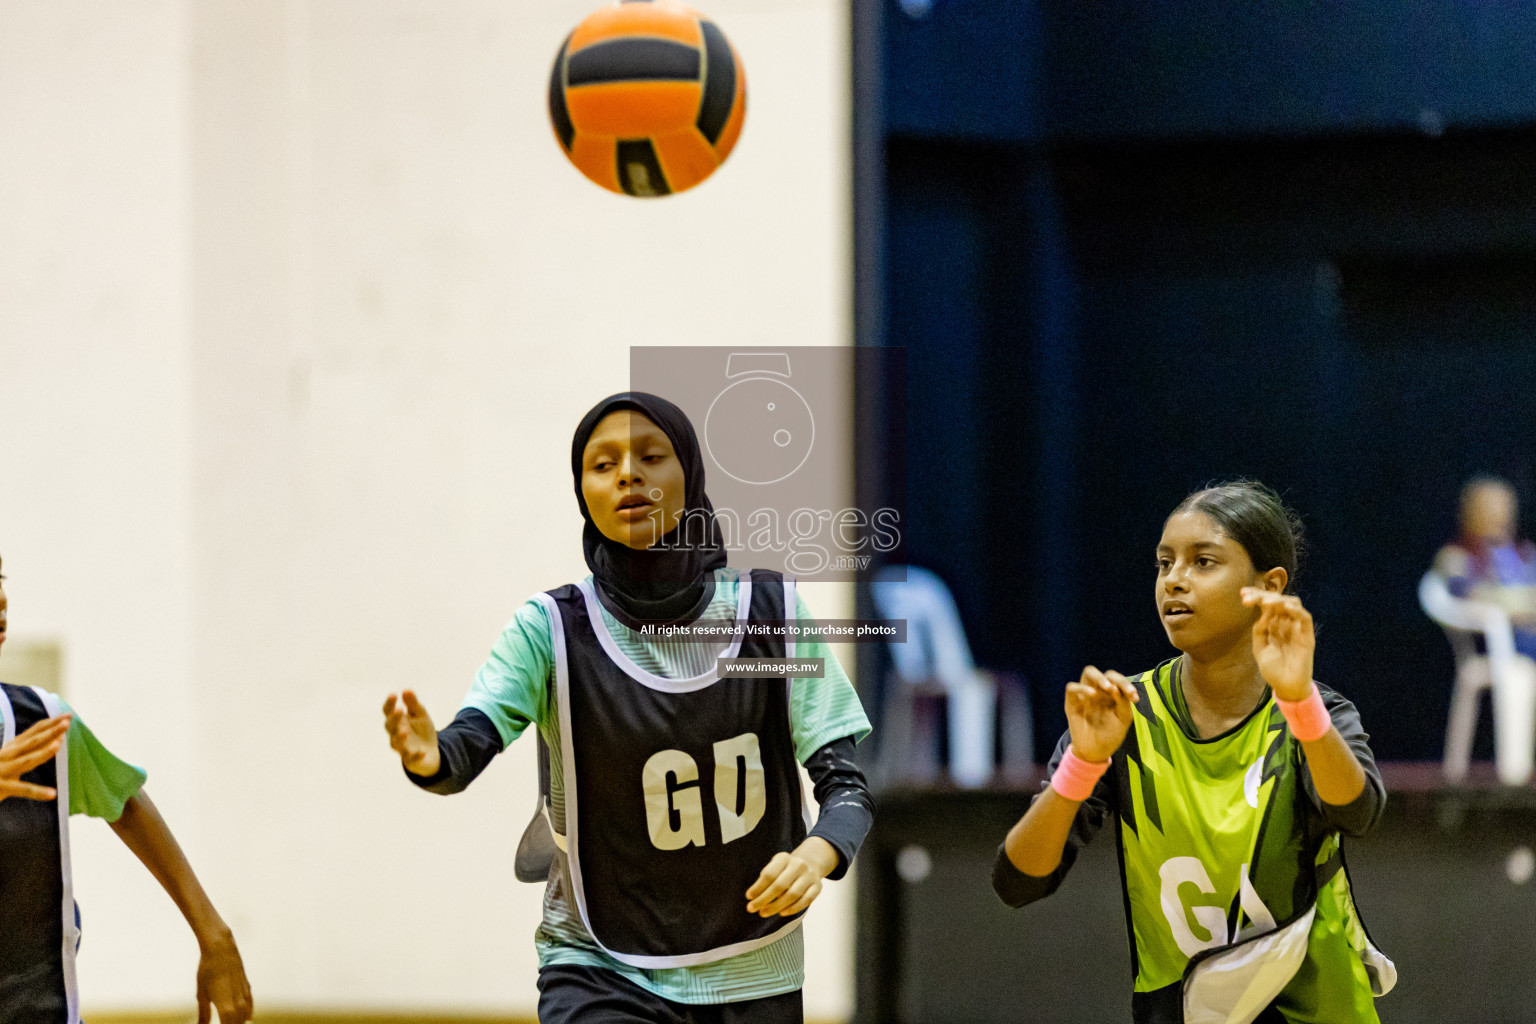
(1309, 719)
(1074, 778)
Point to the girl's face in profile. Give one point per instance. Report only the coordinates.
(1201, 573)
(632, 480)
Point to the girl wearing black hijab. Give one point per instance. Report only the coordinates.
(686, 857)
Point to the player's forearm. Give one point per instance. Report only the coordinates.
(1336, 772)
(464, 748)
(1035, 844)
(143, 830)
(847, 809)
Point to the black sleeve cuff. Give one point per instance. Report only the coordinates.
(465, 747)
(844, 825)
(1360, 815)
(1016, 889)
(432, 783)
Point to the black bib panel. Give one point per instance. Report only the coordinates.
(678, 792)
(32, 979)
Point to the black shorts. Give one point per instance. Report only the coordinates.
(593, 995)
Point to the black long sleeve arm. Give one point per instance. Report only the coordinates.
(847, 810)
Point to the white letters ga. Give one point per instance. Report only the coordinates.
(1178, 870)
(685, 798)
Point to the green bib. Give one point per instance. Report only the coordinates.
(1195, 812)
(1216, 847)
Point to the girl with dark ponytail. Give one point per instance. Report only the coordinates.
(1228, 776)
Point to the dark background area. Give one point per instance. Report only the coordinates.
(939, 946)
(1132, 249)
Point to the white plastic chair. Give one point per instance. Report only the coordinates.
(1509, 674)
(937, 660)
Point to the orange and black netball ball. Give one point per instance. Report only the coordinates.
(647, 97)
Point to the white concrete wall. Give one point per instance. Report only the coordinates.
(361, 300)
(95, 426)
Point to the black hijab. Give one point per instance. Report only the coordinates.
(662, 583)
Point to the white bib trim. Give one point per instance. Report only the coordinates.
(55, 708)
(640, 675)
(7, 720)
(792, 614)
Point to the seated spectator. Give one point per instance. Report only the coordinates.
(1488, 562)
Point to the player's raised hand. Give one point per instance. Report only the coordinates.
(1282, 642)
(411, 733)
(1099, 712)
(37, 746)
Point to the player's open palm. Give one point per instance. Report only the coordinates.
(33, 748)
(411, 733)
(1099, 713)
(1283, 642)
